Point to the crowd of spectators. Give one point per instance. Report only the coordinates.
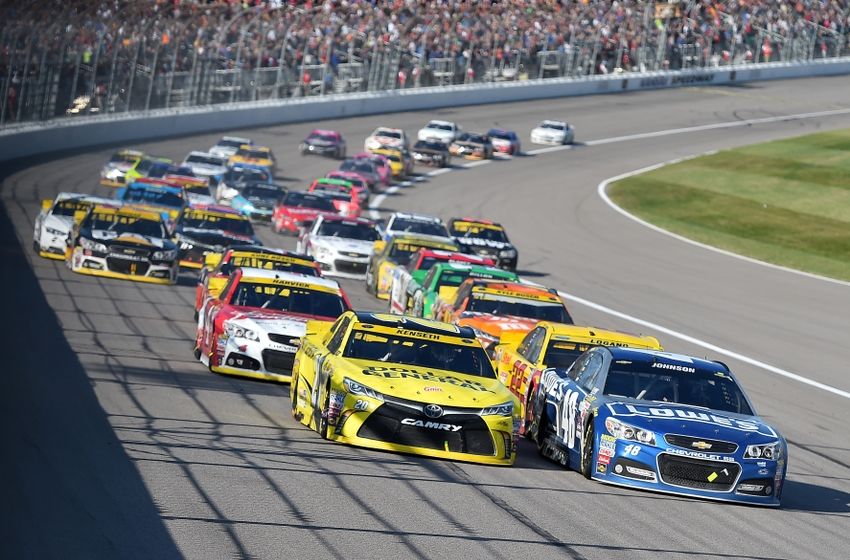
(133, 54)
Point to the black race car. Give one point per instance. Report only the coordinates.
(431, 152)
(484, 238)
(324, 143)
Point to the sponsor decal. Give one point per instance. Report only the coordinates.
(432, 410)
(656, 81)
(606, 438)
(692, 79)
(601, 468)
(700, 455)
(674, 367)
(701, 445)
(684, 414)
(764, 471)
(404, 373)
(430, 425)
(641, 472)
(430, 389)
(604, 459)
(605, 452)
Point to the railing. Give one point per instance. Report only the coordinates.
(49, 72)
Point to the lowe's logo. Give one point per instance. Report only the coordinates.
(431, 425)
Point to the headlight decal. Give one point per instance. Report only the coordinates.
(237, 331)
(621, 430)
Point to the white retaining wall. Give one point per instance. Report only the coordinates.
(75, 133)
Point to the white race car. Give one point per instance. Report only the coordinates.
(439, 131)
(341, 246)
(204, 164)
(228, 145)
(113, 173)
(418, 224)
(253, 328)
(384, 137)
(54, 222)
(553, 132)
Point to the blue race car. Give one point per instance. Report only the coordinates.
(165, 199)
(658, 421)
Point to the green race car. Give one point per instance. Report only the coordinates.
(441, 282)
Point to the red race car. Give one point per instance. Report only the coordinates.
(382, 164)
(341, 193)
(254, 327)
(298, 209)
(217, 267)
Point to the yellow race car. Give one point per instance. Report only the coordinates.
(386, 255)
(399, 164)
(253, 155)
(521, 356)
(403, 384)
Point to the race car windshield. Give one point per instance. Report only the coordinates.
(235, 225)
(363, 166)
(479, 232)
(125, 224)
(538, 310)
(393, 157)
(160, 171)
(438, 126)
(393, 349)
(149, 196)
(230, 143)
(68, 207)
(451, 280)
(242, 174)
(425, 145)
(261, 193)
(499, 135)
(206, 160)
(197, 189)
(401, 252)
(288, 298)
(123, 158)
(562, 354)
(348, 230)
(268, 263)
(680, 383)
(303, 200)
(389, 134)
(322, 137)
(553, 126)
(417, 226)
(253, 154)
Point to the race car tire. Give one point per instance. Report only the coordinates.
(587, 446)
(529, 412)
(294, 394)
(197, 351)
(369, 279)
(35, 247)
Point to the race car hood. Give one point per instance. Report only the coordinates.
(318, 142)
(550, 132)
(276, 322)
(435, 134)
(344, 245)
(495, 325)
(207, 169)
(385, 140)
(213, 238)
(696, 421)
(301, 213)
(199, 199)
(110, 237)
(122, 166)
(437, 386)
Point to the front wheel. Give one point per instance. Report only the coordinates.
(587, 446)
(322, 420)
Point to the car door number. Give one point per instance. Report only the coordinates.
(566, 418)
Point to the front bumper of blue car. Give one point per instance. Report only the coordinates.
(723, 477)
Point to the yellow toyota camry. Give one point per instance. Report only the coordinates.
(403, 384)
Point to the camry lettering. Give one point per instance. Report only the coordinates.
(431, 425)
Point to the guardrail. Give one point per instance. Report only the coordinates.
(64, 134)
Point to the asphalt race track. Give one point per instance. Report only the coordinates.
(117, 444)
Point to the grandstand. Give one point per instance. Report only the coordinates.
(69, 58)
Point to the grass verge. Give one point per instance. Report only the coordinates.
(786, 202)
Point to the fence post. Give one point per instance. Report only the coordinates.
(8, 83)
(76, 76)
(110, 84)
(153, 71)
(170, 81)
(24, 79)
(133, 65)
(259, 61)
(191, 86)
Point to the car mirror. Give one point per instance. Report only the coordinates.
(47, 204)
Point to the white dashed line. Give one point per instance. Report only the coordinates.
(549, 149)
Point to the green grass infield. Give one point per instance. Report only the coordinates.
(785, 202)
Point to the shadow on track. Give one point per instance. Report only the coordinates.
(804, 496)
(70, 490)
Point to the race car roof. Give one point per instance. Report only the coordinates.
(486, 224)
(325, 132)
(82, 197)
(129, 211)
(513, 289)
(416, 217)
(602, 337)
(262, 274)
(392, 321)
(648, 356)
(215, 210)
(435, 121)
(423, 240)
(156, 187)
(261, 250)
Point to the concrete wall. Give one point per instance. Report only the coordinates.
(73, 133)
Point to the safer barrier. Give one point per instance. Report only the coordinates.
(64, 134)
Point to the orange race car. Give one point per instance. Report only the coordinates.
(491, 307)
(521, 357)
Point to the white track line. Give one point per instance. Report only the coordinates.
(378, 200)
(602, 191)
(707, 345)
